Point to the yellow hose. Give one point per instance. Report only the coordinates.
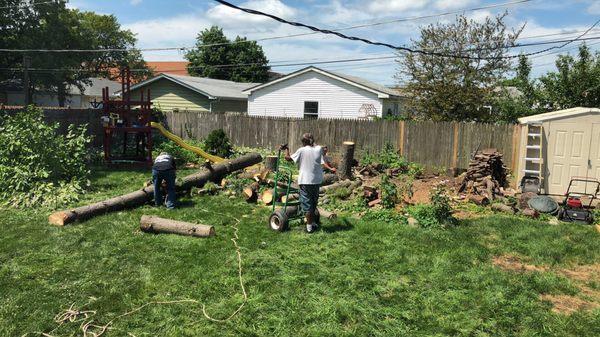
(185, 145)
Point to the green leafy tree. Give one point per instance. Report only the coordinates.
(446, 88)
(53, 26)
(575, 83)
(213, 51)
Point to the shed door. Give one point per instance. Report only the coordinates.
(594, 163)
(567, 154)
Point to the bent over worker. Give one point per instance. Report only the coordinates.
(309, 159)
(164, 170)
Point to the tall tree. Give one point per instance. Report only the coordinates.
(575, 83)
(239, 60)
(53, 26)
(452, 88)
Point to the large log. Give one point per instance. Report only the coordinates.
(154, 224)
(345, 169)
(250, 192)
(140, 197)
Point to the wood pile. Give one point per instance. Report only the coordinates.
(486, 175)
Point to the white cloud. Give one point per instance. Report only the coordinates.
(594, 8)
(453, 4)
(388, 6)
(228, 17)
(135, 2)
(170, 32)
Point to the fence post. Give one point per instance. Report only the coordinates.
(401, 138)
(516, 142)
(455, 139)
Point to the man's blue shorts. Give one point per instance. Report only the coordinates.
(309, 197)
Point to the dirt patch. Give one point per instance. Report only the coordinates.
(587, 299)
(583, 273)
(421, 188)
(513, 263)
(565, 304)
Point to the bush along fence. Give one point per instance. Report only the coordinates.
(433, 144)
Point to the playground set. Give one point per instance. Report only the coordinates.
(125, 117)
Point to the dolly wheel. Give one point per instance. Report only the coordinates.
(278, 221)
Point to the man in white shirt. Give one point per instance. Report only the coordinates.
(309, 159)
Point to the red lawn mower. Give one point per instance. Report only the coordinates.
(573, 208)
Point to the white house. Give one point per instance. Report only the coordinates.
(316, 93)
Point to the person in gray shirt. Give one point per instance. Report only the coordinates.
(309, 159)
(164, 170)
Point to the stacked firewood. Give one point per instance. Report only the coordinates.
(486, 176)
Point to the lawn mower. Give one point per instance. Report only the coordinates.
(283, 212)
(572, 208)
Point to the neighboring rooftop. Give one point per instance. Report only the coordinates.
(209, 87)
(169, 67)
(92, 89)
(382, 91)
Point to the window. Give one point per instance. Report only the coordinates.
(311, 109)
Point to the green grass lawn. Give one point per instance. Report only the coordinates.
(354, 278)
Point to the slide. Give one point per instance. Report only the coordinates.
(185, 145)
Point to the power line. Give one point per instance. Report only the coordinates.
(383, 44)
(184, 48)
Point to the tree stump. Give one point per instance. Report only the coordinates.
(271, 163)
(347, 161)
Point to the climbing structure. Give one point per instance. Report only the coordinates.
(127, 129)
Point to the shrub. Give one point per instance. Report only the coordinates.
(389, 192)
(181, 155)
(39, 166)
(389, 158)
(438, 213)
(217, 143)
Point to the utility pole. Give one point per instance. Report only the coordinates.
(26, 91)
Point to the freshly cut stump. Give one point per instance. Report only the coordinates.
(271, 163)
(154, 224)
(345, 170)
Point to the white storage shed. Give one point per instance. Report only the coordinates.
(559, 145)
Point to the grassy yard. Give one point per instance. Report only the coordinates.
(354, 278)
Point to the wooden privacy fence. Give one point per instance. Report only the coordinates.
(433, 144)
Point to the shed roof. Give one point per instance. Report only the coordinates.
(380, 90)
(557, 114)
(208, 87)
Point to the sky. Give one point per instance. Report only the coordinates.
(176, 23)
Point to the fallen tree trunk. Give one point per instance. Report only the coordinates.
(154, 224)
(134, 199)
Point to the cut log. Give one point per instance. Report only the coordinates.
(329, 179)
(267, 196)
(502, 208)
(140, 197)
(250, 192)
(271, 163)
(373, 203)
(154, 224)
(479, 199)
(327, 214)
(347, 160)
(346, 183)
(262, 175)
(370, 193)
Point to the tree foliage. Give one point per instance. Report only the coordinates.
(53, 26)
(576, 82)
(38, 165)
(213, 51)
(446, 88)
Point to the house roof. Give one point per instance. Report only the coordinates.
(208, 87)
(92, 89)
(557, 114)
(380, 90)
(169, 67)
